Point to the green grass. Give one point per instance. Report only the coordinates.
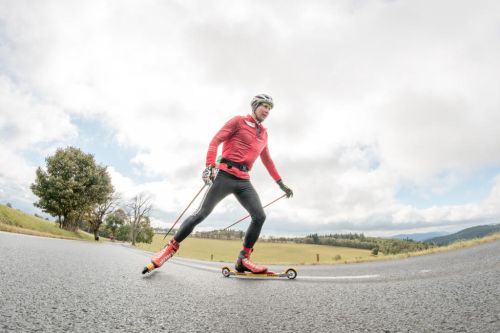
(12, 220)
(266, 253)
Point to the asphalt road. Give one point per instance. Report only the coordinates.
(51, 285)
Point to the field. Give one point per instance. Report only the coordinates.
(291, 253)
(266, 253)
(12, 220)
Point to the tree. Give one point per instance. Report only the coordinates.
(71, 186)
(95, 217)
(138, 210)
(116, 220)
(146, 233)
(123, 233)
(9, 205)
(315, 238)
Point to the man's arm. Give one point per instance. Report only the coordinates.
(271, 168)
(269, 164)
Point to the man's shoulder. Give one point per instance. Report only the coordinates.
(237, 118)
(234, 121)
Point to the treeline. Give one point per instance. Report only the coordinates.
(352, 240)
(360, 241)
(220, 234)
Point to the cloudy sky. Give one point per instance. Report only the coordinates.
(387, 115)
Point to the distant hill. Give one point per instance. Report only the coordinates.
(469, 233)
(419, 237)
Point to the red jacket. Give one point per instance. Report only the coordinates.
(242, 145)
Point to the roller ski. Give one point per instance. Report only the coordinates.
(159, 258)
(290, 273)
(245, 267)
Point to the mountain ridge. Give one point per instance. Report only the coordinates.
(465, 234)
(419, 237)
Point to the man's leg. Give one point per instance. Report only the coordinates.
(249, 199)
(219, 189)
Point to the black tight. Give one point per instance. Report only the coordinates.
(225, 184)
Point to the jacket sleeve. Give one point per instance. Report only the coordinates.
(222, 135)
(269, 164)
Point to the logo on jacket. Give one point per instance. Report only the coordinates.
(249, 123)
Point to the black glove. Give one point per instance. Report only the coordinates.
(208, 174)
(286, 189)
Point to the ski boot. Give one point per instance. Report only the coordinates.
(245, 264)
(160, 257)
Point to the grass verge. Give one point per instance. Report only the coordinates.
(12, 220)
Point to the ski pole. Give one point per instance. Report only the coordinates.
(243, 218)
(173, 225)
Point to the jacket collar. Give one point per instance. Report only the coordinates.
(251, 119)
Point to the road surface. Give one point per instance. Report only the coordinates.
(53, 285)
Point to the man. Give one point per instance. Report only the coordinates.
(244, 139)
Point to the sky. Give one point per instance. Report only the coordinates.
(386, 117)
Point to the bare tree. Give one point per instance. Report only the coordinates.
(138, 210)
(96, 216)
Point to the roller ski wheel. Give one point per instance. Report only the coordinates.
(149, 267)
(290, 274)
(226, 272)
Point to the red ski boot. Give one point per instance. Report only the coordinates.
(245, 264)
(165, 254)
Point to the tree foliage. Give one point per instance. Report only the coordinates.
(71, 185)
(118, 226)
(146, 233)
(123, 233)
(114, 221)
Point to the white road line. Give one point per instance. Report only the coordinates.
(208, 268)
(425, 271)
(345, 277)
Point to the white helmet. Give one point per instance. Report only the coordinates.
(259, 99)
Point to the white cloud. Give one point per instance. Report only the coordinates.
(25, 121)
(421, 136)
